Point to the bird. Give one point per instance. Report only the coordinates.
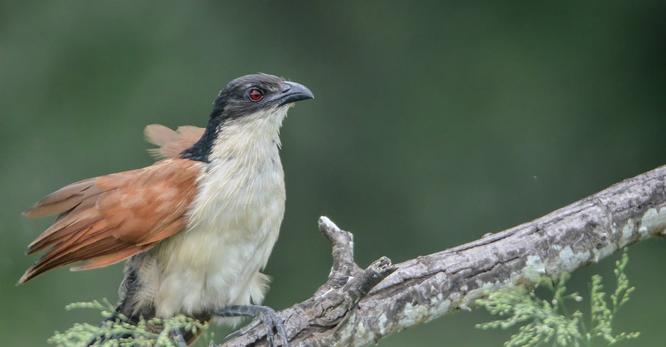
(195, 228)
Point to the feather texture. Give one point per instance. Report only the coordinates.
(171, 142)
(107, 219)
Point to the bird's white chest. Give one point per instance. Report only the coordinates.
(233, 225)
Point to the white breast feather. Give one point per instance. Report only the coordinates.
(233, 224)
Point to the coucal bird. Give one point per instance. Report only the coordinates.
(196, 227)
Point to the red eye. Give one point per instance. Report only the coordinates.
(255, 94)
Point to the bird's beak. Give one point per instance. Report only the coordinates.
(292, 92)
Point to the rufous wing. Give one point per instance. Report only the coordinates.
(170, 142)
(107, 219)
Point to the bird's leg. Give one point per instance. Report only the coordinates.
(178, 338)
(263, 314)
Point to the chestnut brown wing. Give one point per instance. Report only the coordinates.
(107, 219)
(170, 142)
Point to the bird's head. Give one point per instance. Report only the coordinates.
(249, 107)
(250, 94)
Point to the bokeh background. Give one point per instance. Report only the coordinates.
(435, 122)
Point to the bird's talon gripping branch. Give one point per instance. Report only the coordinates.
(265, 315)
(244, 330)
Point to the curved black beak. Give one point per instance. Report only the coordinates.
(292, 92)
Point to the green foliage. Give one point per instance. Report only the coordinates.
(542, 321)
(120, 333)
(602, 312)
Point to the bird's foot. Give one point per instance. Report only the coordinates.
(178, 338)
(275, 330)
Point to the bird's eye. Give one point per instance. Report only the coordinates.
(255, 94)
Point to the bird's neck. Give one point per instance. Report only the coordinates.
(247, 131)
(201, 149)
(251, 138)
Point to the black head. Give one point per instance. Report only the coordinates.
(241, 97)
(251, 93)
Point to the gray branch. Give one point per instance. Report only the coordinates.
(356, 307)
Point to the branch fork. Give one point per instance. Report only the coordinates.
(334, 301)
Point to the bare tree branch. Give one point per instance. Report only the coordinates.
(356, 307)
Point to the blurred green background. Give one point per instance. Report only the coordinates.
(435, 122)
